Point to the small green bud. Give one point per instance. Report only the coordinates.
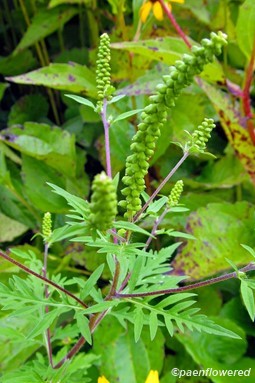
(201, 136)
(103, 71)
(103, 206)
(175, 194)
(154, 116)
(46, 226)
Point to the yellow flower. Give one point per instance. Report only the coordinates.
(102, 379)
(152, 378)
(156, 7)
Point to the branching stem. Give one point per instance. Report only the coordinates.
(42, 278)
(208, 282)
(170, 174)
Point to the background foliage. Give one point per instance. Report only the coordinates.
(49, 49)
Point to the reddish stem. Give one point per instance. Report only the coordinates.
(246, 95)
(44, 279)
(174, 23)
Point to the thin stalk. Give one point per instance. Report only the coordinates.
(174, 23)
(42, 278)
(171, 173)
(107, 138)
(155, 227)
(246, 95)
(115, 280)
(208, 282)
(10, 21)
(46, 294)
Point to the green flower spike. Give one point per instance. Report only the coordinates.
(154, 116)
(201, 136)
(103, 206)
(103, 71)
(175, 194)
(46, 226)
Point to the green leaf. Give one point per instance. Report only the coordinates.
(45, 322)
(245, 28)
(99, 307)
(137, 359)
(166, 49)
(36, 174)
(91, 281)
(3, 87)
(14, 65)
(45, 22)
(210, 250)
(50, 144)
(138, 264)
(81, 100)
(83, 325)
(249, 249)
(55, 3)
(138, 323)
(28, 108)
(116, 99)
(153, 323)
(130, 226)
(125, 115)
(69, 77)
(155, 206)
(248, 298)
(10, 229)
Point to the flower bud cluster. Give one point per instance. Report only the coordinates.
(46, 226)
(175, 194)
(103, 206)
(201, 136)
(154, 116)
(103, 71)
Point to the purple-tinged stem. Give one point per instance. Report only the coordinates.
(155, 227)
(42, 278)
(46, 293)
(249, 267)
(171, 173)
(107, 138)
(174, 23)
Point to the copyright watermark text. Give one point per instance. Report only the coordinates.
(209, 372)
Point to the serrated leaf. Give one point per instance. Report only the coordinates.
(139, 263)
(99, 307)
(83, 325)
(169, 325)
(45, 322)
(91, 282)
(138, 323)
(125, 115)
(153, 323)
(248, 299)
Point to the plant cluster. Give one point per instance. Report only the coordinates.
(106, 270)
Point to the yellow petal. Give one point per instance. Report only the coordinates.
(158, 11)
(178, 1)
(152, 377)
(102, 379)
(145, 11)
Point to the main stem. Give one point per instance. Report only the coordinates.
(46, 294)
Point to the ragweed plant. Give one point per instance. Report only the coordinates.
(138, 273)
